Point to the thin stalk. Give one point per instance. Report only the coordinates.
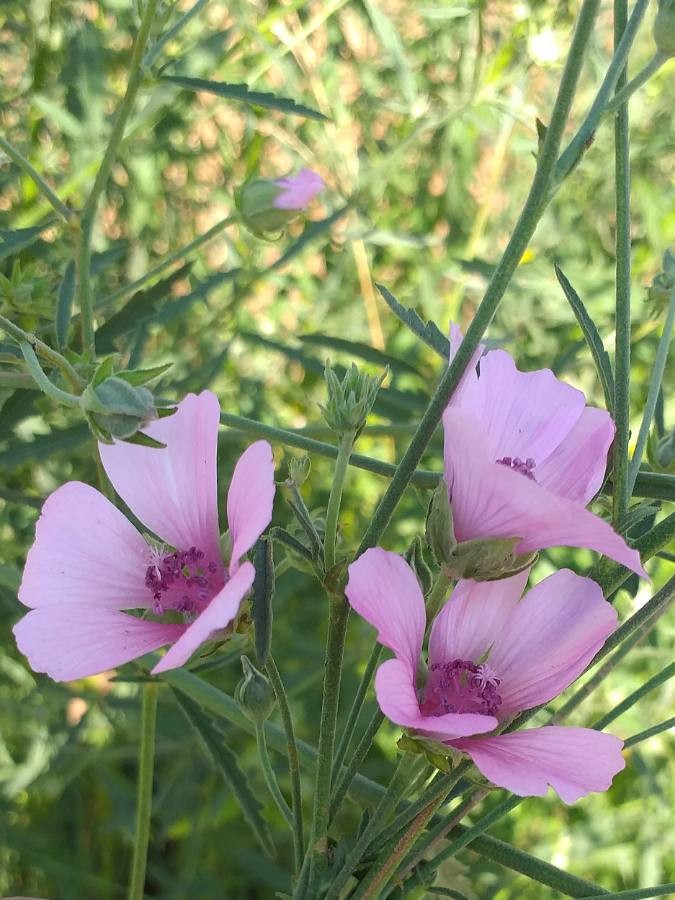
(654, 682)
(83, 255)
(168, 261)
(146, 761)
(347, 775)
(658, 369)
(335, 499)
(627, 91)
(293, 759)
(668, 725)
(45, 351)
(659, 890)
(173, 32)
(45, 385)
(357, 705)
(20, 160)
(437, 595)
(623, 274)
(337, 627)
(270, 777)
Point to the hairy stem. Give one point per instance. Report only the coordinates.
(146, 762)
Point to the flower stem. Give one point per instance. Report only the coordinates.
(333, 510)
(437, 595)
(293, 759)
(360, 753)
(45, 385)
(45, 351)
(621, 96)
(146, 762)
(20, 160)
(270, 777)
(83, 255)
(623, 272)
(356, 707)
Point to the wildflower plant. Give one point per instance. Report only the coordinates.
(127, 572)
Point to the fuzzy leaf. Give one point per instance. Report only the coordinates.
(429, 332)
(64, 306)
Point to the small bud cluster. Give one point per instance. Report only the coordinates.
(350, 400)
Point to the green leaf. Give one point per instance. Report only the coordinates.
(390, 40)
(43, 446)
(143, 376)
(243, 94)
(225, 761)
(429, 332)
(593, 339)
(64, 306)
(12, 242)
(312, 231)
(361, 351)
(659, 890)
(10, 577)
(263, 596)
(144, 440)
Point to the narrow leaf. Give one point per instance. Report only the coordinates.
(659, 890)
(244, 94)
(361, 351)
(263, 596)
(12, 242)
(224, 759)
(426, 331)
(64, 306)
(143, 376)
(587, 325)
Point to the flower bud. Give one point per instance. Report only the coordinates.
(116, 409)
(254, 694)
(664, 28)
(350, 400)
(439, 533)
(267, 205)
(298, 469)
(487, 559)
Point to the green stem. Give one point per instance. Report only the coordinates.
(668, 725)
(270, 777)
(437, 595)
(172, 33)
(20, 160)
(45, 385)
(658, 369)
(335, 499)
(338, 611)
(658, 890)
(146, 763)
(45, 351)
(168, 261)
(357, 705)
(83, 256)
(293, 759)
(610, 575)
(575, 149)
(629, 89)
(623, 273)
(654, 682)
(347, 776)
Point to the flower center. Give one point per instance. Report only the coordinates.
(460, 686)
(181, 581)
(525, 468)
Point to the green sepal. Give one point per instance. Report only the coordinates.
(487, 559)
(439, 530)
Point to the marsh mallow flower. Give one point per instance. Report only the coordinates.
(267, 205)
(89, 563)
(523, 456)
(491, 655)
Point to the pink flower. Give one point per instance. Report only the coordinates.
(88, 562)
(491, 655)
(298, 190)
(523, 456)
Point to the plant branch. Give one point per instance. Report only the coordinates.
(20, 160)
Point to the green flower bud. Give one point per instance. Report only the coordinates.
(664, 28)
(116, 409)
(350, 400)
(487, 559)
(254, 694)
(298, 469)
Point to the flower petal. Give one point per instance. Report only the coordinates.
(490, 500)
(173, 491)
(250, 498)
(576, 469)
(85, 551)
(217, 615)
(298, 190)
(574, 761)
(383, 590)
(523, 414)
(473, 617)
(549, 639)
(75, 640)
(397, 698)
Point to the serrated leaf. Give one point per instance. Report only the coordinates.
(13, 241)
(361, 351)
(593, 339)
(225, 761)
(64, 306)
(429, 332)
(243, 94)
(263, 597)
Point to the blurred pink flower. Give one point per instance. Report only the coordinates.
(523, 457)
(88, 562)
(298, 190)
(491, 655)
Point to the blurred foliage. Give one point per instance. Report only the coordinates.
(427, 153)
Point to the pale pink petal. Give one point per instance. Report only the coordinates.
(473, 617)
(250, 498)
(397, 698)
(217, 615)
(576, 469)
(490, 500)
(574, 761)
(383, 589)
(298, 189)
(75, 640)
(173, 491)
(521, 414)
(550, 638)
(85, 551)
(469, 380)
